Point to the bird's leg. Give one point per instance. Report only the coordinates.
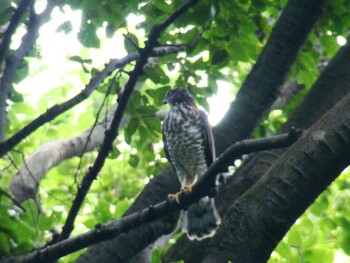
(188, 187)
(185, 188)
(176, 196)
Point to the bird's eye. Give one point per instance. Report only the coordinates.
(170, 93)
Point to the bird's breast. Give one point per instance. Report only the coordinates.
(185, 140)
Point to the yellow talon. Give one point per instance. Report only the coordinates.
(186, 188)
(176, 196)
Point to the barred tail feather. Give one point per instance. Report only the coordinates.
(201, 219)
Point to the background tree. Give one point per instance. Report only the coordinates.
(88, 148)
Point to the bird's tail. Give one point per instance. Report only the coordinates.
(201, 219)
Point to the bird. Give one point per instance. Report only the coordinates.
(189, 147)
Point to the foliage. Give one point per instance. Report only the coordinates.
(223, 38)
(321, 234)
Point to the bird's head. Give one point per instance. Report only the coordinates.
(178, 96)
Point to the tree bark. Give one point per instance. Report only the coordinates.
(262, 85)
(260, 218)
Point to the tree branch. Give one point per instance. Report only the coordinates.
(56, 110)
(25, 183)
(13, 62)
(263, 83)
(127, 223)
(112, 132)
(16, 18)
(269, 208)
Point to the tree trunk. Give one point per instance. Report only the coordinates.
(260, 218)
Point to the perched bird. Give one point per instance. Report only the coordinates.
(189, 147)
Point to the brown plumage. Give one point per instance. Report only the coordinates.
(189, 147)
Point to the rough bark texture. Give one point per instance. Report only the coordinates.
(311, 109)
(266, 212)
(263, 82)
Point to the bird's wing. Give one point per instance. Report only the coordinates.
(208, 139)
(166, 151)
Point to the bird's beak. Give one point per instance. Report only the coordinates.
(164, 101)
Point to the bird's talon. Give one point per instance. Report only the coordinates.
(176, 196)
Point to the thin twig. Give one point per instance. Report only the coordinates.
(94, 125)
(2, 192)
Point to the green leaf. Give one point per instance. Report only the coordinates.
(156, 258)
(157, 75)
(153, 124)
(283, 250)
(104, 209)
(66, 27)
(32, 210)
(294, 237)
(219, 56)
(23, 108)
(134, 160)
(147, 109)
(16, 97)
(121, 207)
(131, 128)
(131, 42)
(90, 222)
(143, 136)
(329, 45)
(4, 245)
(110, 30)
(345, 242)
(87, 35)
(22, 72)
(46, 223)
(80, 60)
(316, 255)
(158, 94)
(8, 225)
(114, 153)
(161, 5)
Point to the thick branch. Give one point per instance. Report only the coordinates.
(112, 132)
(159, 210)
(268, 209)
(262, 85)
(25, 183)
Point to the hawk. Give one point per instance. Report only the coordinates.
(189, 147)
